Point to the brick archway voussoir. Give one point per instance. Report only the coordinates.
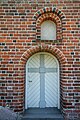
(49, 9)
(44, 48)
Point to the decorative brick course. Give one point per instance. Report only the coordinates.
(20, 38)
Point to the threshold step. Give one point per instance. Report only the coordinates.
(42, 114)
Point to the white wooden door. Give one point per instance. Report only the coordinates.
(42, 81)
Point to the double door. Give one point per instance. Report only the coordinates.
(42, 81)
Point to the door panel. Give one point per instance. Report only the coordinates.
(33, 97)
(49, 62)
(51, 82)
(33, 90)
(51, 92)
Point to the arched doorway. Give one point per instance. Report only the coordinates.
(42, 81)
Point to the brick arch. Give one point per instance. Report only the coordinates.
(53, 17)
(48, 16)
(55, 10)
(44, 48)
(24, 58)
(49, 13)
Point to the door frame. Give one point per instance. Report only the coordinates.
(26, 81)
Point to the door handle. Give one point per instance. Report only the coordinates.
(30, 81)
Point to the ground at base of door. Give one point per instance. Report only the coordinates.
(42, 114)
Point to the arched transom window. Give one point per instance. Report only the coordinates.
(48, 30)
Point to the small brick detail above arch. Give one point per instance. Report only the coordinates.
(43, 48)
(49, 10)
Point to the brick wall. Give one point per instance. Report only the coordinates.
(20, 38)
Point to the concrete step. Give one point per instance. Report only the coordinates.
(42, 114)
(42, 119)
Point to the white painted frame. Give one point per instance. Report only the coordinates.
(26, 81)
